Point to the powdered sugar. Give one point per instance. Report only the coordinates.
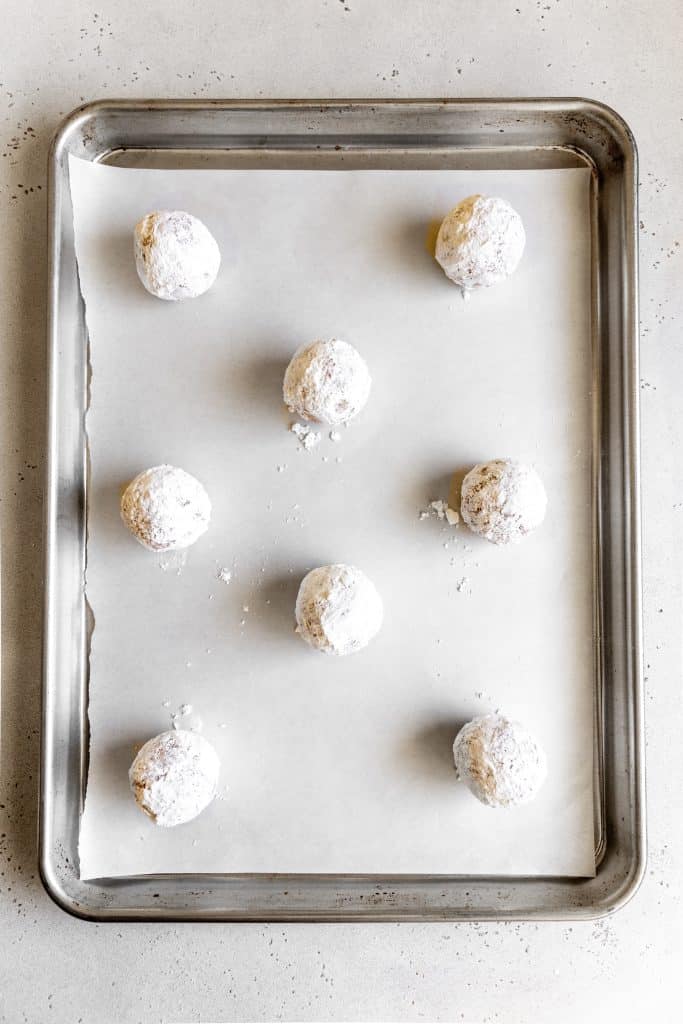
(499, 761)
(338, 609)
(480, 242)
(176, 256)
(308, 437)
(187, 718)
(165, 508)
(173, 561)
(174, 777)
(442, 510)
(503, 500)
(327, 381)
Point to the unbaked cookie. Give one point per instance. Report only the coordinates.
(328, 382)
(480, 242)
(165, 508)
(338, 609)
(176, 255)
(503, 500)
(499, 761)
(174, 777)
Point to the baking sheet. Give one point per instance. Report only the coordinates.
(339, 765)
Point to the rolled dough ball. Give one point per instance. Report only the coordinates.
(503, 500)
(338, 609)
(165, 508)
(480, 242)
(174, 777)
(176, 255)
(499, 761)
(328, 382)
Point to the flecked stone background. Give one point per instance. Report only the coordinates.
(55, 56)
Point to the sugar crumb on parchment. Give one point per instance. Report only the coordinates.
(440, 510)
(307, 437)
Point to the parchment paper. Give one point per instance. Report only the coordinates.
(339, 765)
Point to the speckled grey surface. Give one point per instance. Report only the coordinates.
(53, 968)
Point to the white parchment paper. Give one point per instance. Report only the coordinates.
(339, 765)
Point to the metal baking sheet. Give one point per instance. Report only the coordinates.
(396, 136)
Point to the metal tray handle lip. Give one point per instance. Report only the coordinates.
(633, 438)
(84, 910)
(601, 113)
(57, 892)
(46, 866)
(603, 116)
(109, 104)
(623, 136)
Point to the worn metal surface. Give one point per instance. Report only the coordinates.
(462, 134)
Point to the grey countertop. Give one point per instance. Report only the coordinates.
(53, 57)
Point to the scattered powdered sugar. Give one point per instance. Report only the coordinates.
(480, 242)
(308, 437)
(442, 511)
(335, 436)
(338, 609)
(187, 718)
(224, 575)
(499, 761)
(327, 382)
(174, 777)
(463, 585)
(295, 516)
(482, 695)
(173, 561)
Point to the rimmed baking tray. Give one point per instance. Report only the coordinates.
(496, 134)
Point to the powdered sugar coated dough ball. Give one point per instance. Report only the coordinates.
(165, 508)
(174, 777)
(499, 761)
(338, 609)
(328, 382)
(503, 500)
(176, 255)
(480, 242)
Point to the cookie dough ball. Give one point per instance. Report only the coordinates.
(165, 508)
(499, 761)
(328, 382)
(174, 777)
(338, 609)
(503, 500)
(175, 254)
(480, 242)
